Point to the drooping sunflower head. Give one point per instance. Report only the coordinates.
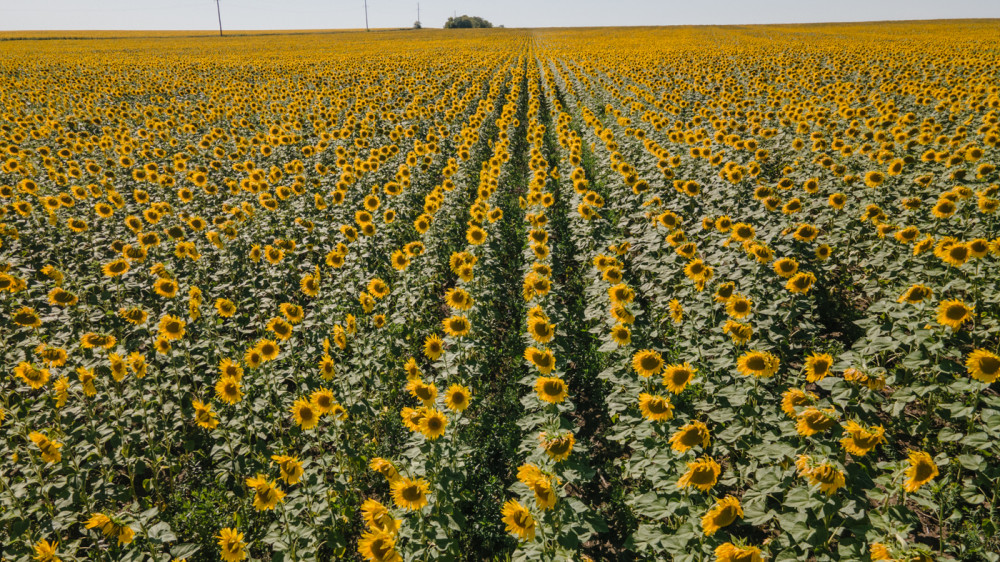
(701, 474)
(812, 420)
(518, 520)
(691, 435)
(655, 407)
(722, 514)
(558, 448)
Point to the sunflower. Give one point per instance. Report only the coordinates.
(204, 415)
(518, 520)
(475, 235)
(690, 435)
(677, 376)
(291, 468)
(742, 232)
(759, 364)
(27, 317)
(739, 332)
(916, 294)
(655, 407)
(647, 362)
(860, 440)
(282, 329)
(432, 425)
(702, 474)
(273, 255)
(823, 252)
(379, 546)
(92, 340)
(305, 414)
(818, 366)
(697, 271)
(542, 359)
(922, 470)
(558, 448)
(812, 420)
(31, 375)
(983, 365)
(828, 477)
(378, 288)
(267, 495)
(621, 335)
(433, 347)
(739, 306)
(795, 398)
(944, 208)
(231, 545)
(253, 358)
(621, 294)
(171, 328)
(806, 233)
(323, 400)
(800, 283)
(48, 448)
(956, 254)
(728, 552)
(411, 418)
(785, 267)
(378, 518)
(720, 515)
(953, 313)
(457, 397)
(309, 284)
(385, 468)
(268, 349)
(456, 326)
(46, 551)
(458, 299)
(878, 551)
(426, 393)
(724, 291)
(551, 389)
(166, 288)
(874, 178)
(227, 389)
(540, 330)
(292, 312)
(111, 527)
(410, 494)
(63, 298)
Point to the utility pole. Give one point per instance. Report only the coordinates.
(218, 12)
(418, 11)
(366, 16)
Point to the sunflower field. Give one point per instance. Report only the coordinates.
(703, 293)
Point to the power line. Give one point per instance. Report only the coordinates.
(219, 12)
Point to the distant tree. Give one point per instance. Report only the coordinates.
(416, 25)
(466, 22)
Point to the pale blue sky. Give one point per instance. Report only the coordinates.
(339, 14)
